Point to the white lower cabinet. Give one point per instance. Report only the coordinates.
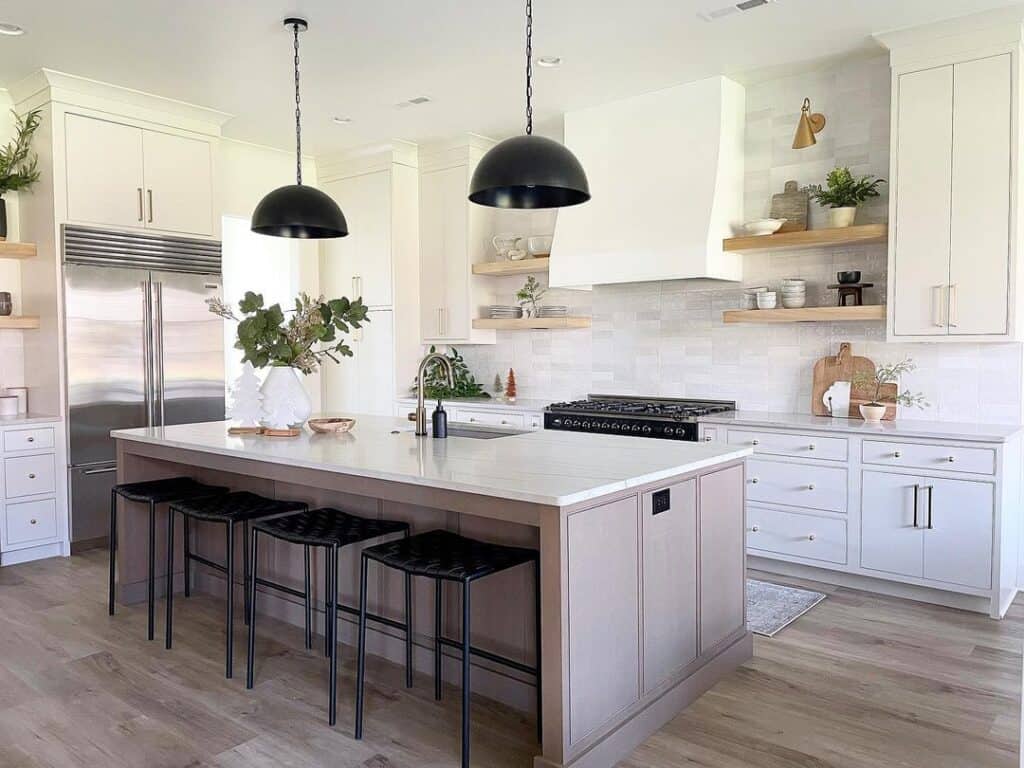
(797, 534)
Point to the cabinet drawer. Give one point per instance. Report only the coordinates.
(795, 534)
(787, 444)
(31, 521)
(533, 421)
(29, 475)
(796, 485)
(28, 439)
(492, 418)
(920, 456)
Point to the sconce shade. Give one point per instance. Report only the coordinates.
(810, 124)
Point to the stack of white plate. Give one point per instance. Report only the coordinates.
(505, 311)
(553, 310)
(794, 293)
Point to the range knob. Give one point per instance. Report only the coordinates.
(647, 430)
(680, 431)
(556, 422)
(605, 425)
(586, 425)
(615, 426)
(636, 427)
(575, 423)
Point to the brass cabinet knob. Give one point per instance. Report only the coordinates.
(811, 447)
(754, 480)
(810, 486)
(32, 521)
(896, 455)
(811, 537)
(755, 528)
(31, 476)
(31, 439)
(951, 459)
(755, 442)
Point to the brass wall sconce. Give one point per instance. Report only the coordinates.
(810, 124)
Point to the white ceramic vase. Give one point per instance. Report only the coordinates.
(843, 217)
(872, 414)
(285, 402)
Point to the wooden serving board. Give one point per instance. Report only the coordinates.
(844, 367)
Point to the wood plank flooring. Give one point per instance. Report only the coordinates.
(862, 681)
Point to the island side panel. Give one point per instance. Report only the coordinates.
(723, 577)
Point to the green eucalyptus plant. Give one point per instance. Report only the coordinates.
(890, 374)
(531, 293)
(435, 383)
(19, 169)
(844, 190)
(268, 337)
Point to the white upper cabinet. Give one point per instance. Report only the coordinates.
(953, 210)
(127, 176)
(666, 175)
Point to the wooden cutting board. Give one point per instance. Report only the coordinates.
(844, 367)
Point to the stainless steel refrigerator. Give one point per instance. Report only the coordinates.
(142, 350)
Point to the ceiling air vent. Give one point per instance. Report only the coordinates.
(730, 10)
(413, 102)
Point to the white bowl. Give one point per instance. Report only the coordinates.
(766, 300)
(794, 303)
(760, 227)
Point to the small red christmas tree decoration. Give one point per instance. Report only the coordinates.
(510, 386)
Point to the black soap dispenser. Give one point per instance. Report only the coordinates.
(440, 419)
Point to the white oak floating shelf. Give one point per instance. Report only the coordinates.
(19, 322)
(531, 323)
(522, 267)
(864, 234)
(805, 314)
(17, 250)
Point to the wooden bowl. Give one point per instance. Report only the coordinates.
(336, 426)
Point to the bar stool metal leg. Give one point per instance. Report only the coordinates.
(169, 578)
(230, 640)
(327, 597)
(186, 535)
(251, 650)
(408, 630)
(151, 593)
(537, 655)
(333, 705)
(361, 650)
(437, 639)
(245, 570)
(113, 551)
(465, 674)
(308, 601)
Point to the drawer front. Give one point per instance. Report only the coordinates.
(29, 475)
(788, 444)
(980, 461)
(31, 521)
(798, 535)
(28, 439)
(709, 434)
(533, 421)
(490, 418)
(796, 485)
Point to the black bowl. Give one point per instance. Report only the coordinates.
(850, 276)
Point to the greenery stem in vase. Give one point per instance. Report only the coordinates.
(435, 384)
(18, 166)
(890, 374)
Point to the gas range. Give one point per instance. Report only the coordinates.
(664, 417)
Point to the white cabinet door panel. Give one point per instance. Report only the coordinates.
(890, 541)
(179, 183)
(958, 542)
(375, 348)
(923, 181)
(980, 227)
(104, 172)
(432, 253)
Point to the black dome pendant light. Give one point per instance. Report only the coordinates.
(529, 171)
(296, 210)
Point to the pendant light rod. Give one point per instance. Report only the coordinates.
(529, 67)
(297, 25)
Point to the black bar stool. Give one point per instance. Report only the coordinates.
(239, 507)
(446, 556)
(151, 492)
(331, 529)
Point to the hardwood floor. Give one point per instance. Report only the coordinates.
(861, 681)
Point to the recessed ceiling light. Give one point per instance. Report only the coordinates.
(11, 29)
(549, 61)
(342, 120)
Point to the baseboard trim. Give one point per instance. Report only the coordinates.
(84, 545)
(28, 554)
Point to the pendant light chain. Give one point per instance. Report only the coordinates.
(298, 112)
(529, 67)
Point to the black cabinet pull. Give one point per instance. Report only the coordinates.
(917, 489)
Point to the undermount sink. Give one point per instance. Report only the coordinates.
(474, 432)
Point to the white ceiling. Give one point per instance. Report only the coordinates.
(361, 57)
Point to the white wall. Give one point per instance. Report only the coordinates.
(279, 268)
(668, 338)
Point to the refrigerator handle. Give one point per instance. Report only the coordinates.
(147, 356)
(158, 353)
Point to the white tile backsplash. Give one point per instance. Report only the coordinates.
(668, 338)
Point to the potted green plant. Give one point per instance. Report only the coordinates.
(530, 294)
(18, 168)
(843, 193)
(290, 343)
(874, 411)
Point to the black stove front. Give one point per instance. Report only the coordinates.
(666, 418)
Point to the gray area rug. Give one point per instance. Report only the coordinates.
(771, 607)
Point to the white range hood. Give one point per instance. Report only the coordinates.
(666, 175)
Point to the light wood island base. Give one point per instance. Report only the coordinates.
(641, 611)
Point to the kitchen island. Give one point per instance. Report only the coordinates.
(641, 547)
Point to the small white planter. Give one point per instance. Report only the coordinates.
(285, 402)
(842, 217)
(872, 414)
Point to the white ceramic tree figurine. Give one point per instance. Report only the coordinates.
(246, 399)
(283, 413)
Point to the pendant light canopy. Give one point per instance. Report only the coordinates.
(529, 171)
(296, 210)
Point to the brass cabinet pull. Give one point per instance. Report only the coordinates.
(140, 203)
(149, 197)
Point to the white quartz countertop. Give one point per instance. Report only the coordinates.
(542, 467)
(521, 404)
(28, 418)
(936, 430)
